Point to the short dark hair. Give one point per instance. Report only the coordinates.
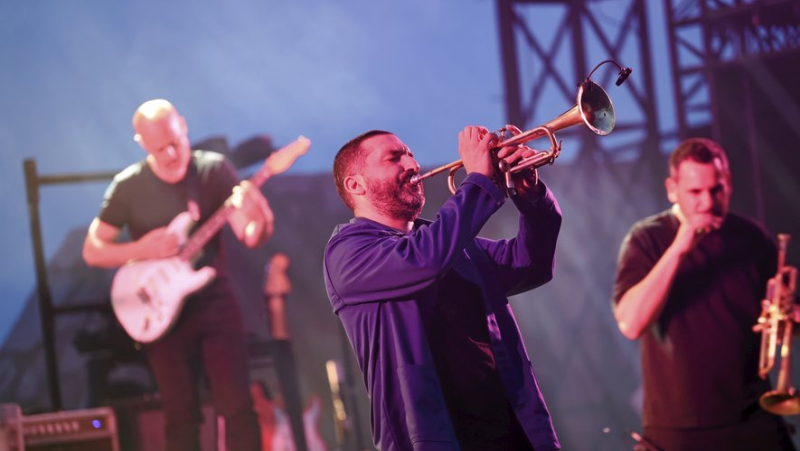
(700, 150)
(349, 160)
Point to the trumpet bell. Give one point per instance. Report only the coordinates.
(781, 402)
(593, 108)
(596, 108)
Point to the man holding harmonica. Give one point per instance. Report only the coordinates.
(689, 285)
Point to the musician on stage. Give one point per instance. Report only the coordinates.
(689, 286)
(144, 198)
(424, 303)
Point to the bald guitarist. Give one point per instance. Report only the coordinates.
(157, 200)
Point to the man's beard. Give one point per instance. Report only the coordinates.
(404, 201)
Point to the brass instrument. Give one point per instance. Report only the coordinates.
(593, 108)
(341, 421)
(776, 324)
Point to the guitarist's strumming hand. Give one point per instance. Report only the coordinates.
(252, 220)
(158, 243)
(100, 248)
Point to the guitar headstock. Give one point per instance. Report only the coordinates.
(277, 280)
(282, 159)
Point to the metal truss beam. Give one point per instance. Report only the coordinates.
(707, 34)
(541, 70)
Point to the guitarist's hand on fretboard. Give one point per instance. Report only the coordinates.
(253, 220)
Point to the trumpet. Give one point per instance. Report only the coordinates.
(776, 324)
(593, 108)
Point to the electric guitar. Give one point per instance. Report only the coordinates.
(276, 430)
(147, 296)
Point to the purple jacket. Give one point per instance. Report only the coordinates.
(383, 284)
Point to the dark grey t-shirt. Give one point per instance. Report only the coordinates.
(700, 358)
(139, 201)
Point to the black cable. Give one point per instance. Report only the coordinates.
(624, 72)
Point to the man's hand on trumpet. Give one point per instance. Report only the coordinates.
(474, 145)
(525, 181)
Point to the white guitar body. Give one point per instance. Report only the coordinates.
(148, 295)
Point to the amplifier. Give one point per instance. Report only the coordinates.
(85, 430)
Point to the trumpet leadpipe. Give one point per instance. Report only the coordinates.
(420, 177)
(540, 159)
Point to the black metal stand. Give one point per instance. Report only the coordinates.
(47, 311)
(279, 353)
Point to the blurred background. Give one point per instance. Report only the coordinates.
(250, 76)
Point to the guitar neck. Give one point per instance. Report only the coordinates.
(202, 235)
(276, 287)
(277, 317)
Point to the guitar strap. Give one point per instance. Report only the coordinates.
(193, 199)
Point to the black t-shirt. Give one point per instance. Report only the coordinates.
(462, 352)
(700, 358)
(140, 201)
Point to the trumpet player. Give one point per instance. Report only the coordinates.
(689, 284)
(424, 302)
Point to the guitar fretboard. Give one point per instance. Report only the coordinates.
(202, 235)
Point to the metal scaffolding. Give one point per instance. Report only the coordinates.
(738, 48)
(604, 183)
(733, 48)
(707, 34)
(532, 63)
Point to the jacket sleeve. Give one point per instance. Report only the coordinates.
(527, 260)
(376, 264)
